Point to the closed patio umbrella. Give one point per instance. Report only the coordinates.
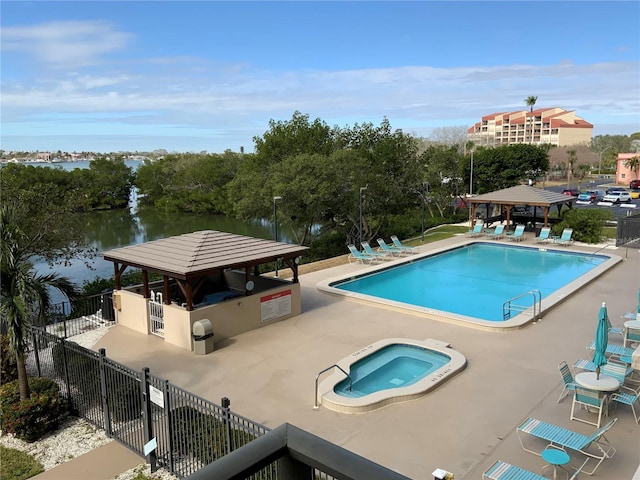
(602, 338)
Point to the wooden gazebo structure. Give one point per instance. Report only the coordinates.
(522, 196)
(190, 258)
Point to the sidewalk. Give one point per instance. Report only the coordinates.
(103, 463)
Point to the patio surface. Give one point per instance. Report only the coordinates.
(463, 426)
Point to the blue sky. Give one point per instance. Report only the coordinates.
(205, 75)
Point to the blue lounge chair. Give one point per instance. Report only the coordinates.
(517, 234)
(543, 237)
(369, 251)
(497, 232)
(505, 471)
(476, 231)
(613, 350)
(357, 256)
(594, 446)
(398, 244)
(390, 249)
(565, 239)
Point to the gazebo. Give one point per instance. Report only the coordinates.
(207, 274)
(529, 198)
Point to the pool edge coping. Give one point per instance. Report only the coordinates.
(517, 321)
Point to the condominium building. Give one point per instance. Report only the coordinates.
(554, 126)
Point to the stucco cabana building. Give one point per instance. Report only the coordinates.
(205, 275)
(529, 205)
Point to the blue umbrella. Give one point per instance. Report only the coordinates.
(602, 338)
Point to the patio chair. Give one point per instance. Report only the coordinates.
(595, 446)
(517, 234)
(497, 232)
(565, 239)
(591, 400)
(369, 251)
(390, 249)
(626, 399)
(398, 244)
(631, 336)
(543, 237)
(568, 383)
(476, 231)
(505, 471)
(357, 256)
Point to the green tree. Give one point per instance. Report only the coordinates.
(25, 293)
(531, 101)
(506, 166)
(583, 170)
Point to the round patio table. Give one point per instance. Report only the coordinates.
(555, 458)
(603, 384)
(632, 324)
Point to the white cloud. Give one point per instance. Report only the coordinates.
(65, 44)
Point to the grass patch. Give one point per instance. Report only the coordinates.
(17, 465)
(441, 232)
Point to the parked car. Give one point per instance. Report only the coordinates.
(590, 196)
(615, 189)
(635, 193)
(634, 185)
(617, 197)
(572, 192)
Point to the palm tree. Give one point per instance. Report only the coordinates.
(571, 160)
(633, 164)
(25, 293)
(531, 101)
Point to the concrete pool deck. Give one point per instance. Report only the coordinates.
(463, 426)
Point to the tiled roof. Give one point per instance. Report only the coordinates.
(203, 251)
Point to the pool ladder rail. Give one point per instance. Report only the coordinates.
(509, 306)
(315, 398)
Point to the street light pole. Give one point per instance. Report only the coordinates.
(600, 163)
(362, 189)
(422, 198)
(275, 225)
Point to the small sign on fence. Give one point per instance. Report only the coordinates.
(156, 396)
(150, 446)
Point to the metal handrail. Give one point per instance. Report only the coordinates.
(537, 305)
(315, 399)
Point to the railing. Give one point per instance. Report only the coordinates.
(67, 320)
(509, 306)
(315, 398)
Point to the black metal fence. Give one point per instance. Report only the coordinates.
(141, 410)
(628, 231)
(67, 320)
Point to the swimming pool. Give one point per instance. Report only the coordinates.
(389, 371)
(471, 283)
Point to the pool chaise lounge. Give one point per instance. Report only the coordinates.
(594, 446)
(497, 232)
(369, 251)
(390, 249)
(517, 235)
(505, 471)
(398, 244)
(614, 350)
(357, 256)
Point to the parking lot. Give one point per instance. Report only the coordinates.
(602, 185)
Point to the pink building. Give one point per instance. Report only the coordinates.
(624, 175)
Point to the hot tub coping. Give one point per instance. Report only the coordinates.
(332, 401)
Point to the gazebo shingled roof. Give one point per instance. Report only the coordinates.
(197, 253)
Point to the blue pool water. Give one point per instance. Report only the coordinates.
(393, 366)
(476, 279)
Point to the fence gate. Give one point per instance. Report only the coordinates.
(156, 314)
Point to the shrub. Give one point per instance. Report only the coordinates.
(587, 224)
(17, 465)
(125, 402)
(31, 419)
(8, 366)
